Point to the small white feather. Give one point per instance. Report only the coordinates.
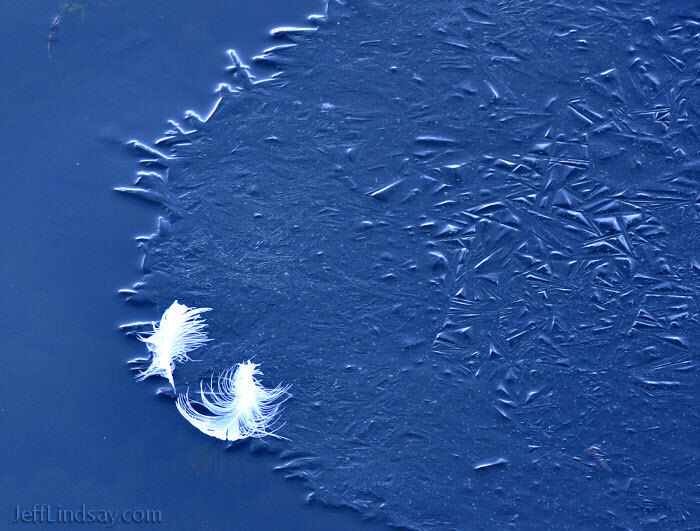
(240, 406)
(181, 330)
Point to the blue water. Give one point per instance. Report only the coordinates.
(74, 426)
(466, 235)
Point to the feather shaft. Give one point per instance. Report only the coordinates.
(238, 405)
(180, 331)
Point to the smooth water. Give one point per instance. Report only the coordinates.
(74, 426)
(466, 235)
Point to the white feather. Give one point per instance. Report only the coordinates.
(181, 330)
(240, 406)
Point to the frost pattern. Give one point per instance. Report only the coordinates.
(466, 233)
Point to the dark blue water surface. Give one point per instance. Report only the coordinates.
(466, 234)
(74, 426)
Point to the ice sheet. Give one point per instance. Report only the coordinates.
(466, 233)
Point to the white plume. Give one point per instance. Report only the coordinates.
(181, 330)
(240, 406)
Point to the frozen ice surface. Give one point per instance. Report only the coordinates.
(466, 233)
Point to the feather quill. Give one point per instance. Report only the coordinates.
(239, 405)
(181, 330)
